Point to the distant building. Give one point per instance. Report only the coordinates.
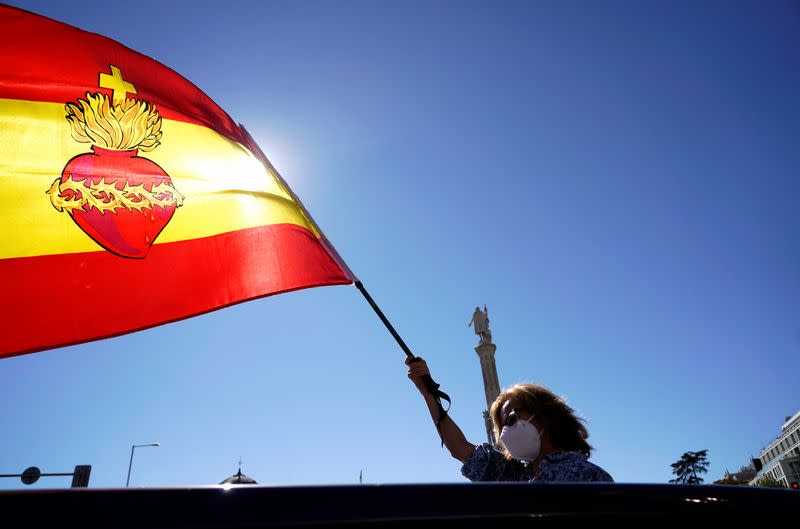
(780, 460)
(239, 479)
(743, 477)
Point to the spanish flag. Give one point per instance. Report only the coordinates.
(128, 198)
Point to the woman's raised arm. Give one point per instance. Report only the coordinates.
(452, 436)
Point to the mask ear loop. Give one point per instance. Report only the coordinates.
(537, 429)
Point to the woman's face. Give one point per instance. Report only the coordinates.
(512, 411)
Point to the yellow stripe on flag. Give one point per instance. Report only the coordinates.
(225, 187)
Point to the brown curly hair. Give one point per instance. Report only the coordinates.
(565, 429)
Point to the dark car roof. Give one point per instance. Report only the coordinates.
(514, 504)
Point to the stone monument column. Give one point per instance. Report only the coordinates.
(486, 350)
(491, 385)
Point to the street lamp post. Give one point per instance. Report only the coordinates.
(131, 462)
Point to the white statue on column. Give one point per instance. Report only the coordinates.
(480, 324)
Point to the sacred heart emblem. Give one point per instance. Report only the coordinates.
(121, 200)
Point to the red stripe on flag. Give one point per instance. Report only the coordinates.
(56, 300)
(46, 60)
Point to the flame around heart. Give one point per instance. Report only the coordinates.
(132, 124)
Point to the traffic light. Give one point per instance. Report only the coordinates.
(794, 485)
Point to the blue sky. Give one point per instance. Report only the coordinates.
(617, 182)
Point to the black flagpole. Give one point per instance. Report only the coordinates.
(386, 322)
(432, 387)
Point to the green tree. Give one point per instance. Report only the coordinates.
(769, 481)
(689, 466)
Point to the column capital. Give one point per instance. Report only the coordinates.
(486, 349)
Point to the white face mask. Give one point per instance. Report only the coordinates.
(522, 440)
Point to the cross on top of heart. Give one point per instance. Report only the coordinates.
(119, 86)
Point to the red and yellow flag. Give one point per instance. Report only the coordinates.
(128, 198)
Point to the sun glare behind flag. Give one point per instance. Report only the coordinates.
(128, 198)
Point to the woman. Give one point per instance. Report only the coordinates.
(541, 438)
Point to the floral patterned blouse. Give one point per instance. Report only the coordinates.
(487, 464)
